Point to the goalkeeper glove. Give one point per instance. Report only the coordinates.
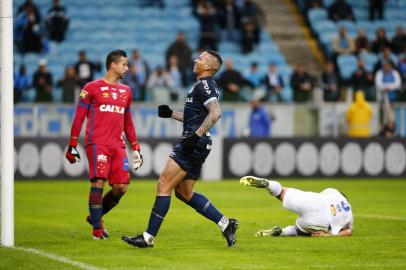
(72, 154)
(189, 143)
(164, 111)
(138, 159)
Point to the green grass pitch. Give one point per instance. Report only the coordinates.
(50, 217)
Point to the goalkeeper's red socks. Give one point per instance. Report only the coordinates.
(95, 207)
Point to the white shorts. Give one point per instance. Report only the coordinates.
(311, 207)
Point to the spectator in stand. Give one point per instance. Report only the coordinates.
(85, 69)
(302, 84)
(132, 79)
(183, 52)
(362, 80)
(229, 20)
(389, 129)
(381, 41)
(274, 83)
(330, 83)
(358, 117)
(376, 7)
(142, 70)
(402, 72)
(254, 76)
(249, 37)
(177, 78)
(70, 85)
(384, 57)
(231, 81)
(387, 83)
(343, 43)
(42, 81)
(399, 40)
(252, 13)
(21, 84)
(207, 16)
(160, 83)
(28, 30)
(362, 42)
(260, 121)
(31, 5)
(57, 22)
(340, 10)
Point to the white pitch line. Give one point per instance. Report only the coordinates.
(58, 258)
(382, 217)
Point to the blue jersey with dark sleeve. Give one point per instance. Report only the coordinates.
(194, 113)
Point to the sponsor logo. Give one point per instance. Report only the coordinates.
(102, 158)
(114, 95)
(206, 87)
(333, 210)
(104, 88)
(189, 100)
(106, 95)
(111, 108)
(83, 94)
(121, 90)
(114, 89)
(208, 146)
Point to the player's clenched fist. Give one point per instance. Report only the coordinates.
(164, 111)
(72, 154)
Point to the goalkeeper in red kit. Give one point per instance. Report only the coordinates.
(106, 104)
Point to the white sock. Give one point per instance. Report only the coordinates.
(289, 231)
(148, 238)
(275, 188)
(223, 223)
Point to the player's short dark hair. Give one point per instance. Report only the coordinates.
(114, 56)
(218, 58)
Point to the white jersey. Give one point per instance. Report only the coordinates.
(340, 210)
(327, 211)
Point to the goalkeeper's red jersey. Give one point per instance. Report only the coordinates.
(107, 107)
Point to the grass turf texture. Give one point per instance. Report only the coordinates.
(50, 216)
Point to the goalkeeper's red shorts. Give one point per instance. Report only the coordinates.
(108, 162)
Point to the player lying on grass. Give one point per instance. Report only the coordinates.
(327, 213)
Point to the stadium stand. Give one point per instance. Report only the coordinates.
(325, 30)
(100, 26)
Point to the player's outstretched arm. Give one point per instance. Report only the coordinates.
(212, 117)
(164, 111)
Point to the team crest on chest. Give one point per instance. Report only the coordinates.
(114, 95)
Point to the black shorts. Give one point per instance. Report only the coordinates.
(192, 163)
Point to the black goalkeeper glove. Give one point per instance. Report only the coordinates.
(164, 111)
(72, 154)
(189, 143)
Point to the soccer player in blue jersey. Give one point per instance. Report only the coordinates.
(201, 112)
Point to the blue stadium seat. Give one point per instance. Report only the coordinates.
(229, 47)
(361, 13)
(347, 64)
(366, 25)
(327, 3)
(317, 14)
(324, 26)
(370, 60)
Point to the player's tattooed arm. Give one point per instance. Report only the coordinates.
(177, 116)
(214, 115)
